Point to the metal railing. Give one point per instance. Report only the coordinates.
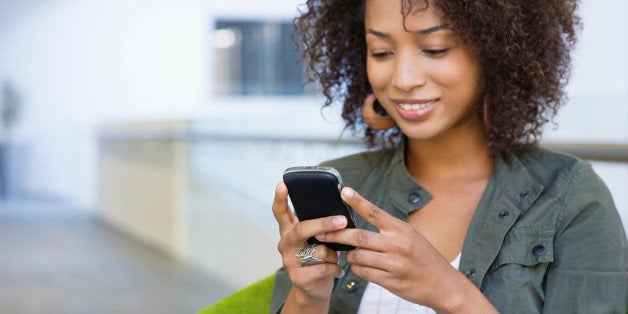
(598, 152)
(610, 152)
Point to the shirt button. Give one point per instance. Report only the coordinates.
(352, 285)
(470, 273)
(414, 198)
(524, 194)
(503, 214)
(538, 250)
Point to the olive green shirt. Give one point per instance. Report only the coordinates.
(546, 236)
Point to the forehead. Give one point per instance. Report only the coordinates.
(388, 13)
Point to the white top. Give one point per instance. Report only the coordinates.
(379, 300)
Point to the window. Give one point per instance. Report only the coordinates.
(257, 58)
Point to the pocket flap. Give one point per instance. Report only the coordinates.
(527, 247)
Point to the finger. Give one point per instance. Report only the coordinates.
(301, 276)
(368, 211)
(369, 258)
(357, 237)
(318, 251)
(378, 276)
(295, 235)
(281, 210)
(309, 228)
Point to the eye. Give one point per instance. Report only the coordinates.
(435, 52)
(380, 55)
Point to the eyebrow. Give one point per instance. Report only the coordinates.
(432, 29)
(426, 31)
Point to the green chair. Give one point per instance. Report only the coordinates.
(250, 300)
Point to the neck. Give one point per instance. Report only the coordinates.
(464, 155)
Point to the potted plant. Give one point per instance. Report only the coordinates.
(9, 112)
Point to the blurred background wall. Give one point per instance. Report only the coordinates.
(173, 120)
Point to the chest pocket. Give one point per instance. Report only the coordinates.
(516, 278)
(525, 247)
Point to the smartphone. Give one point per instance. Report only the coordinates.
(315, 192)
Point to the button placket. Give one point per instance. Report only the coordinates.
(352, 285)
(538, 250)
(470, 273)
(414, 198)
(503, 214)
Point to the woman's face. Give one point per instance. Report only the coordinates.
(422, 75)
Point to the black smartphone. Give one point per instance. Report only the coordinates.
(315, 192)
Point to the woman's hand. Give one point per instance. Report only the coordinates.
(311, 285)
(401, 260)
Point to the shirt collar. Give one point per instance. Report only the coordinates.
(405, 194)
(515, 182)
(511, 176)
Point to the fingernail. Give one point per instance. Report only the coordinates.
(347, 192)
(279, 186)
(320, 237)
(342, 274)
(339, 221)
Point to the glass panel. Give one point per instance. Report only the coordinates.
(256, 58)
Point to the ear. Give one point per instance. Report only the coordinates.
(372, 119)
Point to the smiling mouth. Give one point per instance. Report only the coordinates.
(417, 106)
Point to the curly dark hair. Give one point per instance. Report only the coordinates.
(523, 47)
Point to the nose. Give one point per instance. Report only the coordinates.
(409, 73)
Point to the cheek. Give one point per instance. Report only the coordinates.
(447, 73)
(377, 76)
(461, 74)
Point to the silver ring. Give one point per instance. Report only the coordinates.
(306, 255)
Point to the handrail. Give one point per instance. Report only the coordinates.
(199, 136)
(611, 152)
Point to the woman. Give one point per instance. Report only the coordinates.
(458, 211)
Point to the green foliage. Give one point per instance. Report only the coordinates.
(250, 300)
(10, 107)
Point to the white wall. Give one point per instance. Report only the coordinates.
(81, 62)
(598, 92)
(78, 62)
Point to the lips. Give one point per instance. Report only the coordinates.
(416, 106)
(416, 109)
